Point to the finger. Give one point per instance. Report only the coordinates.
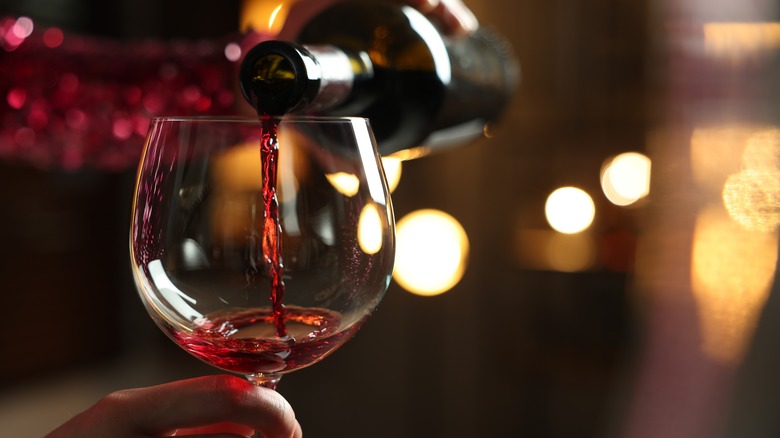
(201, 402)
(424, 6)
(455, 16)
(234, 430)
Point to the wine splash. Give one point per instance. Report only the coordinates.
(272, 228)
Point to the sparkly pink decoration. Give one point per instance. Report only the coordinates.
(71, 101)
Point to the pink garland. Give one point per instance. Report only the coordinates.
(72, 101)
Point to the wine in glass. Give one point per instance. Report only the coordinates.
(260, 247)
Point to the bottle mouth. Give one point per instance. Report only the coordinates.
(274, 77)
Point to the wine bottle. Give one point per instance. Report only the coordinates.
(388, 63)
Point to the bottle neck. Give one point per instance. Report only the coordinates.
(280, 77)
(338, 76)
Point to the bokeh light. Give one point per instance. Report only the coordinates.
(716, 153)
(762, 150)
(569, 210)
(548, 250)
(431, 252)
(737, 42)
(626, 178)
(23, 28)
(732, 272)
(233, 52)
(752, 198)
(53, 37)
(570, 252)
(752, 195)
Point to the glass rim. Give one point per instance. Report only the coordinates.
(247, 119)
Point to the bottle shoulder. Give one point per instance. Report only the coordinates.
(392, 36)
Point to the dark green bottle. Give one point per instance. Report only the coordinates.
(390, 64)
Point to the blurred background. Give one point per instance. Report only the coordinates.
(611, 270)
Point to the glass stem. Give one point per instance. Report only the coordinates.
(268, 380)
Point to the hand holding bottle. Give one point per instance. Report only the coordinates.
(420, 87)
(453, 15)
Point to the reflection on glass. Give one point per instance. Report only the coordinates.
(732, 272)
(431, 252)
(569, 210)
(346, 183)
(238, 169)
(392, 167)
(370, 230)
(626, 178)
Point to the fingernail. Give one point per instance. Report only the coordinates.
(467, 20)
(426, 6)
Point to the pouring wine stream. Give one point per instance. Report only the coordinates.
(272, 231)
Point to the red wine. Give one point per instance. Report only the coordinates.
(272, 229)
(244, 340)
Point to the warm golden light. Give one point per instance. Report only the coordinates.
(752, 199)
(626, 178)
(239, 169)
(237, 180)
(547, 250)
(762, 151)
(570, 252)
(732, 272)
(569, 210)
(370, 230)
(346, 183)
(393, 167)
(752, 195)
(740, 41)
(264, 16)
(431, 252)
(716, 153)
(237, 174)
(274, 15)
(411, 153)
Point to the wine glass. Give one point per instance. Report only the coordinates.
(260, 246)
